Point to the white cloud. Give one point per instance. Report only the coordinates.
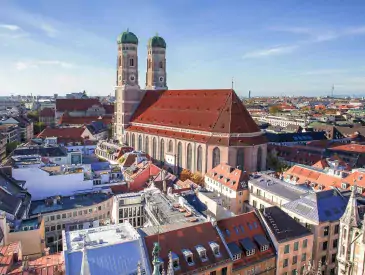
(10, 27)
(48, 29)
(270, 52)
(21, 66)
(325, 72)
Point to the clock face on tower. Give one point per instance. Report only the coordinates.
(132, 78)
(161, 79)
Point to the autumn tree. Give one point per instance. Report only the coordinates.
(274, 109)
(185, 174)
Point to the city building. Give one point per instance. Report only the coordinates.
(47, 116)
(284, 121)
(67, 135)
(205, 253)
(11, 132)
(3, 142)
(292, 241)
(190, 129)
(114, 249)
(111, 151)
(251, 250)
(129, 207)
(10, 255)
(48, 264)
(70, 213)
(230, 184)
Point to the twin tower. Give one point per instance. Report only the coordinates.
(127, 64)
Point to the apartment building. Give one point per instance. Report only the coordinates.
(293, 242)
(129, 207)
(111, 151)
(71, 213)
(230, 184)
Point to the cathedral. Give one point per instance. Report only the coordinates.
(183, 129)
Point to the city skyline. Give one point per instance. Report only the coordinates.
(268, 48)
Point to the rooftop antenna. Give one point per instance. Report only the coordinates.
(232, 82)
(332, 90)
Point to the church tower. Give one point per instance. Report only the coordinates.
(127, 92)
(156, 64)
(350, 230)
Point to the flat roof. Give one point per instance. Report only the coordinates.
(67, 203)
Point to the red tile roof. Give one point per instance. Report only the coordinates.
(66, 119)
(219, 111)
(74, 104)
(47, 112)
(8, 254)
(46, 265)
(251, 225)
(188, 238)
(355, 148)
(64, 135)
(224, 172)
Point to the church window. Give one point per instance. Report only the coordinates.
(179, 155)
(170, 146)
(216, 157)
(199, 159)
(127, 138)
(140, 143)
(149, 63)
(189, 156)
(131, 62)
(259, 158)
(120, 61)
(146, 149)
(133, 141)
(162, 150)
(240, 159)
(161, 65)
(154, 148)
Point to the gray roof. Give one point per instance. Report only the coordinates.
(279, 187)
(319, 207)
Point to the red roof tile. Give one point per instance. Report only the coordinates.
(251, 225)
(72, 132)
(66, 119)
(235, 177)
(188, 238)
(63, 105)
(47, 112)
(46, 265)
(356, 148)
(219, 111)
(8, 256)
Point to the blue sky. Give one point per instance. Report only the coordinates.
(269, 47)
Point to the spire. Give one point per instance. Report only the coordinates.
(170, 267)
(351, 216)
(156, 261)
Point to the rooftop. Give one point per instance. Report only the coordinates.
(7, 254)
(44, 151)
(228, 176)
(26, 225)
(76, 104)
(279, 187)
(66, 203)
(284, 227)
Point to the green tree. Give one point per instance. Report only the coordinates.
(38, 127)
(33, 115)
(11, 146)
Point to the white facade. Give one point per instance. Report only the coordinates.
(129, 207)
(285, 121)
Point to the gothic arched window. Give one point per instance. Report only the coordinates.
(161, 65)
(179, 155)
(259, 158)
(199, 159)
(127, 138)
(146, 149)
(162, 150)
(240, 159)
(189, 156)
(131, 62)
(149, 63)
(170, 146)
(140, 143)
(120, 61)
(133, 141)
(216, 157)
(154, 148)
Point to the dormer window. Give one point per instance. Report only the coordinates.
(202, 253)
(215, 248)
(344, 185)
(250, 252)
(175, 261)
(359, 190)
(264, 248)
(236, 257)
(188, 256)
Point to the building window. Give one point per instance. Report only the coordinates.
(337, 229)
(323, 260)
(236, 257)
(326, 230)
(240, 159)
(304, 257)
(324, 245)
(146, 149)
(120, 61)
(179, 155)
(171, 146)
(216, 157)
(140, 143)
(199, 159)
(335, 243)
(250, 252)
(285, 263)
(154, 145)
(189, 156)
(131, 62)
(64, 216)
(294, 272)
(296, 246)
(133, 141)
(305, 243)
(162, 150)
(161, 65)
(333, 258)
(259, 158)
(254, 203)
(295, 259)
(286, 249)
